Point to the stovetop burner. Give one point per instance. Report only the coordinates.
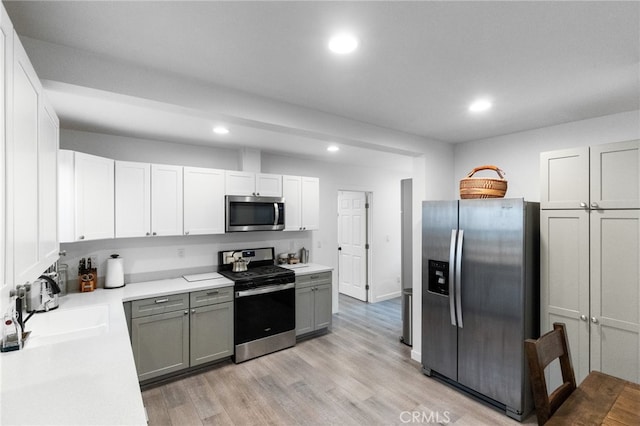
(261, 271)
(257, 272)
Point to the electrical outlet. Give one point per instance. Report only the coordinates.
(181, 252)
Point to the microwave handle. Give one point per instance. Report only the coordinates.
(277, 213)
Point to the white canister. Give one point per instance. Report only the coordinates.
(115, 272)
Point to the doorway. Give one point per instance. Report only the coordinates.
(353, 244)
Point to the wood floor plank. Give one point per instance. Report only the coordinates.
(359, 373)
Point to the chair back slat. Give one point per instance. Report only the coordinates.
(540, 353)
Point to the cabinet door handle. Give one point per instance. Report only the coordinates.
(212, 293)
(193, 311)
(186, 232)
(81, 237)
(583, 205)
(186, 312)
(594, 205)
(583, 317)
(594, 320)
(147, 234)
(162, 300)
(154, 233)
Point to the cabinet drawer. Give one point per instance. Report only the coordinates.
(159, 305)
(313, 279)
(211, 296)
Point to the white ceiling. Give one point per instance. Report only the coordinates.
(418, 66)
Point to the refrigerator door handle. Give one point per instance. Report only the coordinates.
(452, 263)
(459, 277)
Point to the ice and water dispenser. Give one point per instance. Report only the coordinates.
(438, 277)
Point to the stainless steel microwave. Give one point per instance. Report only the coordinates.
(249, 213)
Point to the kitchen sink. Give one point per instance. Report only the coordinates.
(63, 325)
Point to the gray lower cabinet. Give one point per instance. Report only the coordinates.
(160, 335)
(173, 333)
(211, 325)
(313, 302)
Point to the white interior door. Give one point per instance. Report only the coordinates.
(352, 240)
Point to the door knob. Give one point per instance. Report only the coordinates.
(583, 317)
(594, 320)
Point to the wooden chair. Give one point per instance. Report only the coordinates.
(540, 353)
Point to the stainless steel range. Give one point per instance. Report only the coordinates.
(264, 308)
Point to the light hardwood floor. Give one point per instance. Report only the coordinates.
(357, 374)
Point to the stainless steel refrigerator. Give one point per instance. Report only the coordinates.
(480, 297)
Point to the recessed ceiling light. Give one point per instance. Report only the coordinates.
(220, 130)
(343, 43)
(333, 148)
(480, 105)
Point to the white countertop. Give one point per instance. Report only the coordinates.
(307, 268)
(88, 376)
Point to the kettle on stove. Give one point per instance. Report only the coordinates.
(240, 265)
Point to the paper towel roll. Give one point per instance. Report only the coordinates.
(115, 272)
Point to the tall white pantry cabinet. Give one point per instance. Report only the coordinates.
(590, 254)
(28, 168)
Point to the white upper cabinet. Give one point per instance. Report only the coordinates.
(103, 198)
(133, 199)
(565, 179)
(249, 183)
(615, 175)
(48, 141)
(600, 177)
(94, 190)
(240, 183)
(30, 133)
(85, 197)
(203, 201)
(310, 203)
(292, 192)
(6, 73)
(302, 202)
(166, 200)
(22, 157)
(268, 185)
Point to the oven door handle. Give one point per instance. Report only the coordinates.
(264, 290)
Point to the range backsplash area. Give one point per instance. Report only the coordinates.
(155, 258)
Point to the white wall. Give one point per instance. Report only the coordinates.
(519, 155)
(384, 184)
(151, 151)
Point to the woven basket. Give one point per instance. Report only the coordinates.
(477, 187)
